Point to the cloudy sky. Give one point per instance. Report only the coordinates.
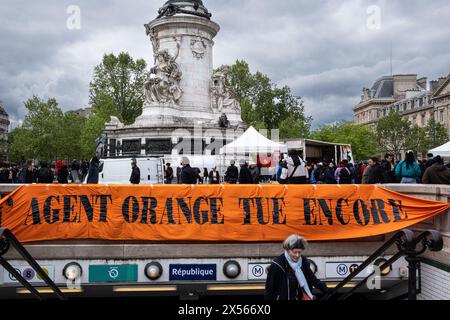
(326, 50)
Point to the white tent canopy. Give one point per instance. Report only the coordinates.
(443, 151)
(253, 142)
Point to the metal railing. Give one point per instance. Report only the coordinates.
(406, 243)
(7, 239)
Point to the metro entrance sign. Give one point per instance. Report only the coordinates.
(343, 269)
(110, 273)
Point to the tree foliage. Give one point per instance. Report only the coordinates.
(421, 140)
(266, 106)
(121, 78)
(392, 132)
(361, 138)
(47, 133)
(103, 108)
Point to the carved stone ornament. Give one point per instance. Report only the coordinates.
(151, 32)
(163, 82)
(222, 95)
(223, 121)
(366, 94)
(198, 47)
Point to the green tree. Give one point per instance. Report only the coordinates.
(264, 105)
(391, 134)
(38, 136)
(122, 79)
(417, 140)
(361, 138)
(103, 108)
(422, 140)
(72, 125)
(47, 133)
(20, 148)
(437, 134)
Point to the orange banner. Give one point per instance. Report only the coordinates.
(222, 213)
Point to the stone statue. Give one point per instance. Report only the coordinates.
(163, 83)
(198, 47)
(222, 94)
(101, 146)
(153, 38)
(172, 8)
(223, 121)
(366, 94)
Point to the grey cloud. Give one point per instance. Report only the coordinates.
(322, 49)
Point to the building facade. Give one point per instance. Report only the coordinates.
(402, 93)
(4, 125)
(413, 98)
(441, 101)
(86, 112)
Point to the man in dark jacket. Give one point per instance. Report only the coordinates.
(232, 174)
(94, 170)
(168, 174)
(282, 282)
(135, 173)
(388, 167)
(63, 174)
(45, 174)
(374, 173)
(4, 173)
(430, 160)
(26, 174)
(438, 173)
(245, 176)
(188, 174)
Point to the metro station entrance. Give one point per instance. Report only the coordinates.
(406, 243)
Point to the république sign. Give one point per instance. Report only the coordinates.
(238, 213)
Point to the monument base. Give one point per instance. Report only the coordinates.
(162, 135)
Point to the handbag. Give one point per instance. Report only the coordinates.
(305, 296)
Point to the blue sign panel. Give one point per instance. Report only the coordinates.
(193, 272)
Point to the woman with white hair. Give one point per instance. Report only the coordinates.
(290, 276)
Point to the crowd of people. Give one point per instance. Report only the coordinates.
(43, 172)
(247, 173)
(291, 169)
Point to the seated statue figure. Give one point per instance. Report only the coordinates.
(222, 94)
(163, 84)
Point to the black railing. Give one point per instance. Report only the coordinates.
(7, 239)
(406, 243)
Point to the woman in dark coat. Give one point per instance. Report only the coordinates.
(94, 168)
(290, 276)
(63, 174)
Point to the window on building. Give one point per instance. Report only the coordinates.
(423, 120)
(441, 116)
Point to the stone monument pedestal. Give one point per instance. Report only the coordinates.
(182, 93)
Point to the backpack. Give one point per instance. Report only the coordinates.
(45, 175)
(345, 176)
(321, 174)
(329, 175)
(22, 175)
